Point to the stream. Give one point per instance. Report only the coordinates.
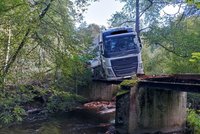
(75, 122)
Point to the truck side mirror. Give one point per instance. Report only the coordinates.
(101, 47)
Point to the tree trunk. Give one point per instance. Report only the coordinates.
(137, 18)
(7, 50)
(13, 58)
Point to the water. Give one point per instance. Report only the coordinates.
(76, 122)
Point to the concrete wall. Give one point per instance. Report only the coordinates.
(152, 110)
(99, 91)
(122, 113)
(156, 110)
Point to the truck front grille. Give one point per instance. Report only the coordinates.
(125, 66)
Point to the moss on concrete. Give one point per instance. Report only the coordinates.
(126, 85)
(129, 83)
(122, 92)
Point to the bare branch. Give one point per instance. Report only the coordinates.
(181, 18)
(44, 11)
(145, 28)
(163, 2)
(30, 51)
(54, 10)
(151, 3)
(128, 21)
(43, 42)
(53, 24)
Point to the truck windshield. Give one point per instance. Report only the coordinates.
(117, 44)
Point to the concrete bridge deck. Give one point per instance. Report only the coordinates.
(184, 82)
(179, 82)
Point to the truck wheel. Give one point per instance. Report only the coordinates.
(98, 73)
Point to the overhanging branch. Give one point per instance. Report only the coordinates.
(128, 21)
(151, 3)
(44, 11)
(171, 51)
(145, 28)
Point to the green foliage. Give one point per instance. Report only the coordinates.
(195, 57)
(167, 49)
(181, 65)
(154, 60)
(179, 37)
(13, 103)
(63, 101)
(72, 73)
(193, 100)
(160, 61)
(52, 38)
(41, 47)
(193, 2)
(18, 113)
(194, 121)
(10, 108)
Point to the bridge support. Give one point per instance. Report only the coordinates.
(147, 110)
(98, 90)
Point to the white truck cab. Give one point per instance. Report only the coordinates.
(118, 55)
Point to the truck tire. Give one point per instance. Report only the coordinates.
(98, 73)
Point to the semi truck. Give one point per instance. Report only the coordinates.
(117, 54)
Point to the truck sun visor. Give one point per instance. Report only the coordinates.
(119, 32)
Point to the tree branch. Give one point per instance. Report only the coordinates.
(151, 3)
(166, 3)
(29, 52)
(145, 28)
(13, 7)
(44, 11)
(171, 51)
(181, 18)
(128, 21)
(43, 42)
